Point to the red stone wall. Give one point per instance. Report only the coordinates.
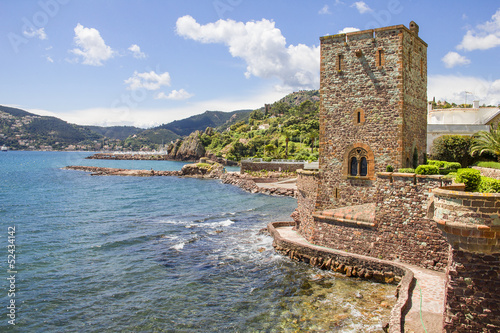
(472, 292)
(270, 166)
(392, 99)
(402, 230)
(488, 172)
(307, 187)
(402, 217)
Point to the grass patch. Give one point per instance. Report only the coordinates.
(489, 164)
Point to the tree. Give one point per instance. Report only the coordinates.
(312, 136)
(287, 136)
(487, 142)
(452, 148)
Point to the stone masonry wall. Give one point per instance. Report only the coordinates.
(307, 187)
(270, 166)
(488, 172)
(414, 69)
(471, 223)
(473, 288)
(391, 101)
(402, 217)
(402, 230)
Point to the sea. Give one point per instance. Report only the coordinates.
(82, 253)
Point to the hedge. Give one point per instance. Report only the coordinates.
(489, 185)
(427, 170)
(470, 177)
(406, 170)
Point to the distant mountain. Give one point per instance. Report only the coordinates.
(200, 122)
(116, 132)
(20, 129)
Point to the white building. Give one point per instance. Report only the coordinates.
(459, 121)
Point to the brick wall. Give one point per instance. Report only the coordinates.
(270, 166)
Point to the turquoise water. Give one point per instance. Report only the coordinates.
(164, 254)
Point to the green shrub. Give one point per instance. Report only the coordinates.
(406, 170)
(427, 170)
(470, 177)
(452, 166)
(489, 185)
(389, 168)
(437, 163)
(493, 165)
(452, 148)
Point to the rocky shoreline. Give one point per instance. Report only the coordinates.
(156, 157)
(244, 181)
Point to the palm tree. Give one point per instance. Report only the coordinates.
(487, 142)
(312, 136)
(287, 136)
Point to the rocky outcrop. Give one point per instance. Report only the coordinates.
(203, 170)
(189, 149)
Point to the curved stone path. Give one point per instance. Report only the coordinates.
(427, 297)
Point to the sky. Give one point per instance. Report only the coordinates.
(149, 62)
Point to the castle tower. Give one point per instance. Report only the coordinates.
(373, 110)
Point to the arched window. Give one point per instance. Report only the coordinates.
(354, 166)
(363, 168)
(359, 116)
(358, 162)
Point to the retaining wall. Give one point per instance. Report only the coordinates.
(488, 172)
(470, 222)
(270, 166)
(352, 265)
(400, 230)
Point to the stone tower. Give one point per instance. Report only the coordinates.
(373, 110)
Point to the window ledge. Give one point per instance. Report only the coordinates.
(359, 177)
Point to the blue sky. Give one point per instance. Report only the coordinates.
(148, 62)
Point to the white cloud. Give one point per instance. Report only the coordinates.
(484, 36)
(176, 95)
(40, 33)
(149, 117)
(91, 46)
(136, 51)
(148, 80)
(324, 10)
(362, 7)
(262, 46)
(452, 59)
(347, 30)
(49, 59)
(452, 87)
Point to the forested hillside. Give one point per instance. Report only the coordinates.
(288, 128)
(285, 129)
